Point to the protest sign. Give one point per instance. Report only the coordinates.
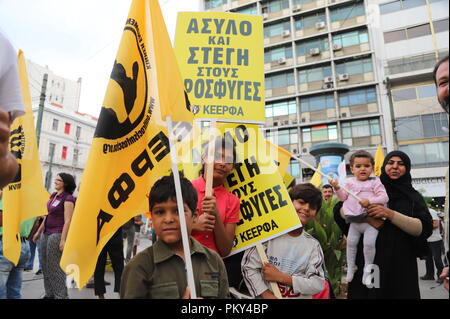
(221, 58)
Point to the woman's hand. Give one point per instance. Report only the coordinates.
(379, 211)
(205, 222)
(36, 237)
(62, 243)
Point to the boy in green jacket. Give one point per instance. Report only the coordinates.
(158, 272)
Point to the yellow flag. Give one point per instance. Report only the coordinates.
(130, 149)
(25, 197)
(316, 180)
(379, 159)
(283, 159)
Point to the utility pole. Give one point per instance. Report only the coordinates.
(48, 180)
(391, 108)
(41, 109)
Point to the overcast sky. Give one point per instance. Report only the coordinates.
(76, 38)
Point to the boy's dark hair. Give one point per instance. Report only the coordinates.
(327, 186)
(227, 144)
(164, 189)
(309, 193)
(69, 182)
(436, 67)
(363, 154)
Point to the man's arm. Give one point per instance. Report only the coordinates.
(9, 165)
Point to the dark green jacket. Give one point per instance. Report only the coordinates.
(158, 273)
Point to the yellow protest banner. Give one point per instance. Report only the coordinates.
(221, 57)
(379, 159)
(25, 197)
(266, 209)
(130, 149)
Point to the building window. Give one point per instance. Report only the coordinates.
(55, 125)
(427, 154)
(316, 103)
(348, 12)
(409, 64)
(361, 128)
(418, 31)
(294, 169)
(393, 36)
(64, 153)
(314, 74)
(304, 47)
(276, 29)
(357, 97)
(67, 128)
(408, 33)
(279, 80)
(422, 126)
(78, 132)
(355, 67)
(320, 133)
(274, 6)
(281, 108)
(303, 1)
(441, 25)
(275, 54)
(247, 10)
(287, 137)
(209, 4)
(427, 91)
(420, 92)
(351, 38)
(309, 21)
(401, 4)
(404, 95)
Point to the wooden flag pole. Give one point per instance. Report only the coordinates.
(326, 176)
(180, 204)
(210, 160)
(273, 285)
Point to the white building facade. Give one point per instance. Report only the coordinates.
(66, 135)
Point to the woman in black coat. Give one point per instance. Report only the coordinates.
(401, 239)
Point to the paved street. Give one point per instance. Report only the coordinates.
(33, 286)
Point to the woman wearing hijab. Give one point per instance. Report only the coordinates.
(402, 237)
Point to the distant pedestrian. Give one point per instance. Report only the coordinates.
(113, 249)
(54, 231)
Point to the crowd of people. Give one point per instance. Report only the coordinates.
(385, 220)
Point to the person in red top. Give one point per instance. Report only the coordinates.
(219, 213)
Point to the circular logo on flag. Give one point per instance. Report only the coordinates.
(124, 106)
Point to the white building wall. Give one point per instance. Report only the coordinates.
(59, 90)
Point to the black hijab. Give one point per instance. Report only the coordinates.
(401, 187)
(403, 198)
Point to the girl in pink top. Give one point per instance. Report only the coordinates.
(370, 191)
(219, 213)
